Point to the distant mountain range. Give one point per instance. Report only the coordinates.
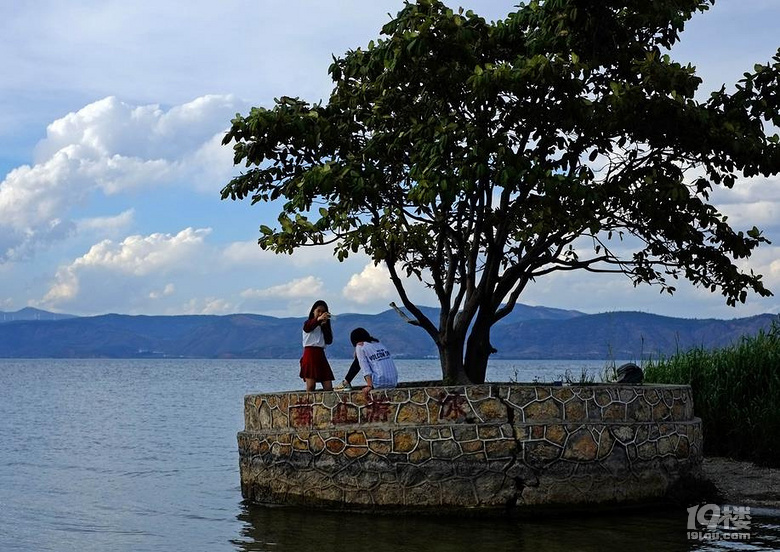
(30, 313)
(527, 333)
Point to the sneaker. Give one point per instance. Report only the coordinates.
(344, 386)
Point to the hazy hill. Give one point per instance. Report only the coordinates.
(29, 313)
(529, 332)
(621, 335)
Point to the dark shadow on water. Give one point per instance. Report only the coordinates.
(278, 529)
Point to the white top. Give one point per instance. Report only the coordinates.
(314, 338)
(375, 361)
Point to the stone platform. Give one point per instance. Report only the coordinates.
(501, 447)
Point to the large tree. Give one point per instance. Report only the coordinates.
(479, 156)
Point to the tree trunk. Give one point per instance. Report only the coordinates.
(451, 357)
(478, 350)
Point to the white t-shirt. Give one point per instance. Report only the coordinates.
(375, 361)
(314, 338)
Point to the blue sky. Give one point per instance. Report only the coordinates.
(111, 117)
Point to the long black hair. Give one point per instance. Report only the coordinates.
(327, 331)
(360, 334)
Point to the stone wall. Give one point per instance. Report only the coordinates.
(484, 447)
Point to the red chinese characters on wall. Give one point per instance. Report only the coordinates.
(453, 406)
(378, 410)
(345, 413)
(302, 412)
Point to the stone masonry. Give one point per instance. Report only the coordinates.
(492, 447)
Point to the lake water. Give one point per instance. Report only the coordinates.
(141, 455)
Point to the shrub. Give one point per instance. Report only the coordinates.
(736, 393)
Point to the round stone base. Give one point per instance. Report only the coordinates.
(500, 447)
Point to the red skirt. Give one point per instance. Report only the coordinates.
(315, 366)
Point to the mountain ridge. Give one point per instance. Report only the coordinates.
(527, 333)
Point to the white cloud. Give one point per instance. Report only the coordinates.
(107, 225)
(156, 50)
(135, 256)
(111, 127)
(295, 289)
(210, 305)
(765, 261)
(371, 284)
(752, 202)
(210, 167)
(65, 288)
(20, 245)
(774, 269)
(31, 198)
(763, 214)
(748, 189)
(169, 290)
(141, 255)
(108, 148)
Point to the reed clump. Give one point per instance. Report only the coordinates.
(736, 393)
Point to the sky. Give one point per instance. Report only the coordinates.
(111, 120)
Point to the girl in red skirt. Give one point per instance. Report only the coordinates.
(317, 334)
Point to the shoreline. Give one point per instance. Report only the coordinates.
(742, 483)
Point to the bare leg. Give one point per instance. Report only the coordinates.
(310, 384)
(327, 385)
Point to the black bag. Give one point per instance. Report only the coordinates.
(630, 373)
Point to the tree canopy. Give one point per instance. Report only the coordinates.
(478, 156)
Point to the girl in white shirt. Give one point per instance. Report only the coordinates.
(375, 360)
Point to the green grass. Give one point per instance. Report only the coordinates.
(736, 393)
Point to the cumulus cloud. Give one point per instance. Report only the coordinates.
(108, 148)
(136, 256)
(208, 168)
(65, 287)
(169, 290)
(111, 127)
(369, 285)
(28, 195)
(309, 286)
(140, 255)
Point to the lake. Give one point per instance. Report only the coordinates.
(141, 455)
